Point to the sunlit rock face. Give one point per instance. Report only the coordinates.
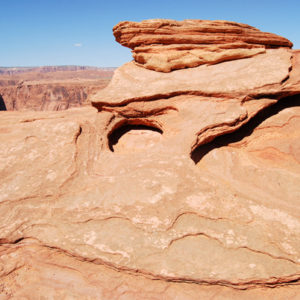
(50, 88)
(179, 185)
(166, 45)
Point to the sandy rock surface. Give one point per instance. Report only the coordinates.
(166, 45)
(172, 192)
(229, 79)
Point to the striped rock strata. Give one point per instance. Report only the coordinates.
(166, 45)
(49, 88)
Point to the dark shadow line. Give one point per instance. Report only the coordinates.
(18, 240)
(246, 129)
(2, 103)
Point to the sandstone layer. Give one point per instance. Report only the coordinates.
(172, 186)
(50, 88)
(165, 45)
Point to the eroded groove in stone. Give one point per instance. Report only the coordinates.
(246, 129)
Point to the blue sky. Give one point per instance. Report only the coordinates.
(79, 32)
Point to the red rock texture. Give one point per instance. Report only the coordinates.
(166, 45)
(172, 186)
(50, 88)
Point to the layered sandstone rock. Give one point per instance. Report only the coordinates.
(165, 45)
(172, 186)
(50, 88)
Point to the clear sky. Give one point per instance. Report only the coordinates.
(79, 32)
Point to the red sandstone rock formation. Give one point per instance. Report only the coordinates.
(165, 45)
(180, 185)
(50, 88)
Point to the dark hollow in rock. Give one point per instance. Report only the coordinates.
(246, 129)
(114, 137)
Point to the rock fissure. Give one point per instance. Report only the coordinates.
(197, 234)
(270, 282)
(105, 105)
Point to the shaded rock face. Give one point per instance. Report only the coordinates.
(50, 88)
(165, 45)
(2, 104)
(172, 186)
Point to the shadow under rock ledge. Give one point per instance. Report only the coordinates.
(245, 130)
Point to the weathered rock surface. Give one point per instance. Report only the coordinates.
(233, 78)
(185, 190)
(166, 45)
(50, 88)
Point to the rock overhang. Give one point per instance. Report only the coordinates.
(237, 59)
(238, 77)
(166, 45)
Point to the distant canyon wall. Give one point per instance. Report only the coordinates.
(45, 96)
(50, 88)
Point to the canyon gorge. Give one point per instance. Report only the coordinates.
(50, 88)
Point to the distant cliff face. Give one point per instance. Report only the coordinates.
(50, 88)
(52, 96)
